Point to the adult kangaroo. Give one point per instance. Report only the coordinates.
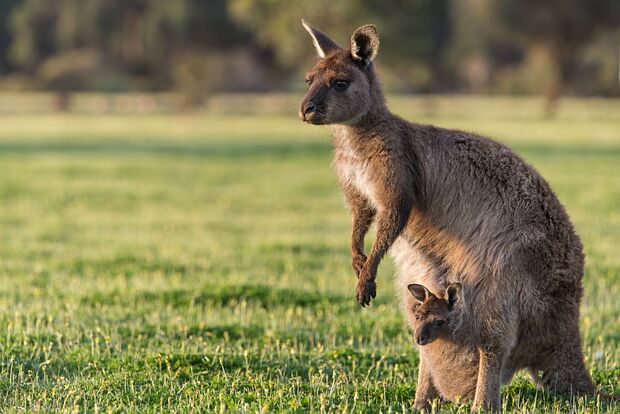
(455, 208)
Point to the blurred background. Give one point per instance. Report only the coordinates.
(191, 50)
(172, 236)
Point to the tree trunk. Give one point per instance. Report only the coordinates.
(552, 97)
(563, 60)
(62, 101)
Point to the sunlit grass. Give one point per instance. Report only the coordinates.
(200, 262)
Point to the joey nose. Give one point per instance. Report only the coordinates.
(422, 339)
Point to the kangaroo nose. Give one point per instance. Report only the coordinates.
(309, 108)
(422, 340)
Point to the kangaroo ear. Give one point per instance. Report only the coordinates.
(322, 43)
(453, 294)
(419, 292)
(365, 44)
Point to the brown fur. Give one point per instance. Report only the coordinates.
(454, 207)
(451, 361)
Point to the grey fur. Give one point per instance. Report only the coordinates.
(456, 207)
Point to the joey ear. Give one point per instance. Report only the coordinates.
(322, 43)
(365, 44)
(453, 294)
(419, 292)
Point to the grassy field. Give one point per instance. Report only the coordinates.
(183, 263)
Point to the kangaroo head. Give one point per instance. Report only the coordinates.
(431, 314)
(343, 87)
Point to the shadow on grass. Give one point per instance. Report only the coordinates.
(25, 368)
(296, 249)
(228, 332)
(522, 393)
(248, 149)
(129, 265)
(258, 295)
(202, 150)
(285, 365)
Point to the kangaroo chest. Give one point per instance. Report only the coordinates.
(358, 173)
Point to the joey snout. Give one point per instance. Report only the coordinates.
(423, 336)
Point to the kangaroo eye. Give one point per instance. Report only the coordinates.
(417, 317)
(341, 85)
(439, 323)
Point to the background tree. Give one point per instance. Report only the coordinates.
(562, 27)
(69, 45)
(414, 34)
(6, 8)
(195, 47)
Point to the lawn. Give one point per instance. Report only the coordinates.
(200, 262)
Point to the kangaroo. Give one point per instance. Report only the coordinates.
(447, 350)
(453, 207)
(451, 361)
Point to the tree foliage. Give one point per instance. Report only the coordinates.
(562, 27)
(413, 33)
(195, 46)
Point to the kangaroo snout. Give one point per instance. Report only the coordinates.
(421, 339)
(422, 336)
(307, 111)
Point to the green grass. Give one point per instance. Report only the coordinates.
(200, 262)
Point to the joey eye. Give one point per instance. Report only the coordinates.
(340, 85)
(439, 323)
(417, 317)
